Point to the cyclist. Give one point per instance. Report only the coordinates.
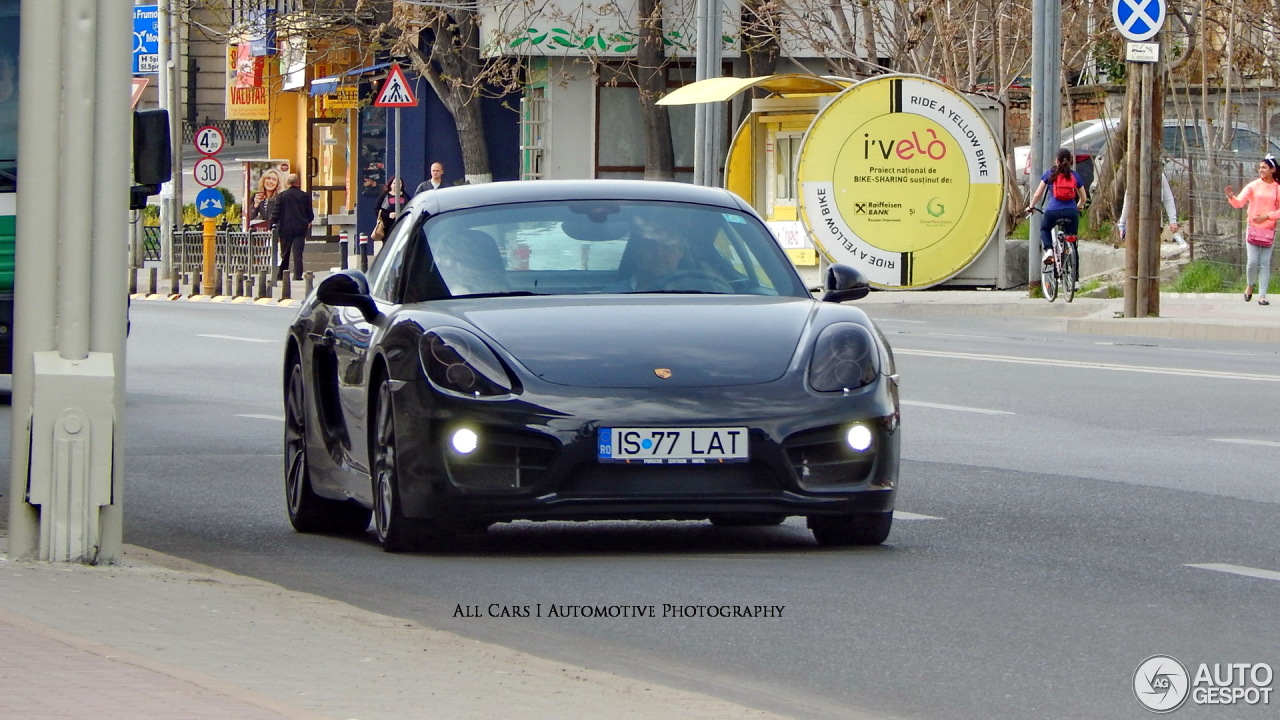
(1065, 200)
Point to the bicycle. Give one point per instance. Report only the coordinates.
(1063, 264)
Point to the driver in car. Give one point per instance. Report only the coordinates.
(657, 259)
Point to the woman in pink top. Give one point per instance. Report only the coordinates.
(1263, 198)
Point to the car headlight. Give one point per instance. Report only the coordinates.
(457, 360)
(845, 357)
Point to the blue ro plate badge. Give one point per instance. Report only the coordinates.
(673, 446)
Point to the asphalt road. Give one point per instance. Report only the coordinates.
(1060, 498)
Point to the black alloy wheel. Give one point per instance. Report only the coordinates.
(309, 512)
(394, 531)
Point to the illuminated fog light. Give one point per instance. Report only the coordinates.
(859, 438)
(465, 441)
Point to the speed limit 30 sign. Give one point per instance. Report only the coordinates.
(208, 171)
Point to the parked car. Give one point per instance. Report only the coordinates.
(1087, 138)
(1182, 142)
(586, 350)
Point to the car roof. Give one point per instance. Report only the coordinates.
(461, 197)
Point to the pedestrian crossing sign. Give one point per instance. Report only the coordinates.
(396, 91)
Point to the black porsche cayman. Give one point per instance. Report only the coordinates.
(586, 350)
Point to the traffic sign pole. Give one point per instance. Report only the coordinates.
(1139, 21)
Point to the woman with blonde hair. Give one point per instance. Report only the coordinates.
(264, 200)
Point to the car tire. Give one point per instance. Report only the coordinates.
(394, 531)
(308, 512)
(844, 530)
(729, 521)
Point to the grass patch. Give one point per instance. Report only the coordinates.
(1209, 276)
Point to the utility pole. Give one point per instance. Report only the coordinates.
(1046, 105)
(74, 131)
(1140, 21)
(707, 117)
(169, 84)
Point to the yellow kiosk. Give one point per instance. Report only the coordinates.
(897, 175)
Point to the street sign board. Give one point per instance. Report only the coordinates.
(396, 91)
(1142, 52)
(209, 202)
(209, 140)
(146, 40)
(1138, 20)
(208, 171)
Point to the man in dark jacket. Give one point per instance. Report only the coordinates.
(292, 217)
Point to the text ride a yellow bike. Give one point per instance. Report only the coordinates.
(1062, 265)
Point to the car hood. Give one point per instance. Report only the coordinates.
(631, 341)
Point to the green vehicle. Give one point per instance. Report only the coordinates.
(8, 172)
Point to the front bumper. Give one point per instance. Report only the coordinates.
(535, 463)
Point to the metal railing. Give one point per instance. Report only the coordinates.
(254, 131)
(235, 249)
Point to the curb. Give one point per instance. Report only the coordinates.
(220, 299)
(1174, 328)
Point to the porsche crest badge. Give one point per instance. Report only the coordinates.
(663, 373)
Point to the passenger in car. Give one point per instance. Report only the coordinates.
(469, 262)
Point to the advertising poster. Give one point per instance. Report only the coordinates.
(246, 89)
(901, 177)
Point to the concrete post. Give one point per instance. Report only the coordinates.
(70, 299)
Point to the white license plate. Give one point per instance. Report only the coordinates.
(673, 446)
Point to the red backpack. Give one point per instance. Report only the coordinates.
(1064, 186)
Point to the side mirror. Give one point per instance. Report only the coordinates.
(348, 288)
(845, 283)
(152, 156)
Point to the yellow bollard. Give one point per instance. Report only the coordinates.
(210, 251)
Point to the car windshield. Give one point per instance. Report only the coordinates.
(598, 246)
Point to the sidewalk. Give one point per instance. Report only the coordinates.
(1209, 316)
(158, 638)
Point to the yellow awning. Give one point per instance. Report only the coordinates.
(719, 89)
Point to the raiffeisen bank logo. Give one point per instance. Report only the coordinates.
(1161, 683)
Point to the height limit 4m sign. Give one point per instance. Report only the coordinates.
(396, 91)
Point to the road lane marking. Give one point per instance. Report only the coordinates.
(958, 408)
(1058, 363)
(233, 337)
(1238, 570)
(252, 416)
(1241, 441)
(902, 515)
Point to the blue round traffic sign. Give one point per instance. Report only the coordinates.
(209, 202)
(1138, 20)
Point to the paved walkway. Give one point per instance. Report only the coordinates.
(158, 638)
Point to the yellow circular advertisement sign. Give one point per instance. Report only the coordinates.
(900, 177)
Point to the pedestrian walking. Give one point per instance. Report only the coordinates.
(1170, 211)
(390, 204)
(292, 217)
(1262, 196)
(435, 182)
